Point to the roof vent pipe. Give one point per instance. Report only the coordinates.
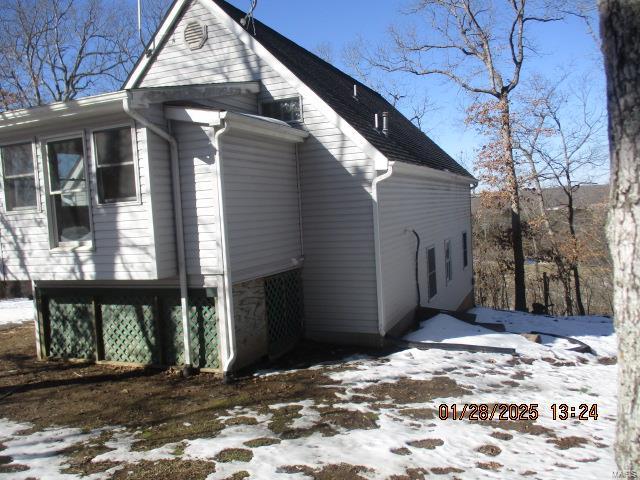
(377, 122)
(385, 123)
(355, 91)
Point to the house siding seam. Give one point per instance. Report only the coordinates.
(123, 237)
(336, 175)
(437, 210)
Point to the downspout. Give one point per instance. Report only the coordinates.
(376, 241)
(177, 213)
(230, 340)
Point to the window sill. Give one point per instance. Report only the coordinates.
(124, 203)
(26, 211)
(69, 248)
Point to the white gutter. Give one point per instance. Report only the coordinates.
(230, 328)
(177, 213)
(376, 241)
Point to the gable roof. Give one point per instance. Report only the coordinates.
(405, 142)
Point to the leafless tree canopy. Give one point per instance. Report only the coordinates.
(56, 50)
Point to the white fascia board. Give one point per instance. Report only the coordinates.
(404, 168)
(158, 38)
(380, 161)
(87, 106)
(250, 124)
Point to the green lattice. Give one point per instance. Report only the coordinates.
(71, 327)
(285, 311)
(130, 332)
(204, 331)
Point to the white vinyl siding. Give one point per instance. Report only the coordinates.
(339, 267)
(123, 244)
(200, 206)
(261, 206)
(434, 208)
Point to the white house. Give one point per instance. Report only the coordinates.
(238, 193)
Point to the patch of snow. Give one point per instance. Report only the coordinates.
(16, 311)
(595, 331)
(541, 374)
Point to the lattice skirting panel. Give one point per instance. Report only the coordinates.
(130, 326)
(285, 311)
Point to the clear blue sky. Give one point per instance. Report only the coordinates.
(561, 48)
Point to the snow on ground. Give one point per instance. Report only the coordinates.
(15, 311)
(399, 395)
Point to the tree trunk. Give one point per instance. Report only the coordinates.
(574, 254)
(620, 24)
(520, 292)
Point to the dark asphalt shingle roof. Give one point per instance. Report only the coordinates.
(405, 142)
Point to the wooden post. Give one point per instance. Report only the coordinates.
(158, 317)
(97, 328)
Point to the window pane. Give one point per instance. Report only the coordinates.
(286, 110)
(431, 268)
(114, 146)
(66, 164)
(72, 217)
(17, 160)
(116, 183)
(20, 192)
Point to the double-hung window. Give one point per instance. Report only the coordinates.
(68, 195)
(431, 269)
(19, 178)
(447, 261)
(115, 169)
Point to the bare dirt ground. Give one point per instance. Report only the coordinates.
(170, 419)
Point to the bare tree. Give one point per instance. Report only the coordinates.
(559, 135)
(620, 24)
(415, 105)
(56, 50)
(481, 47)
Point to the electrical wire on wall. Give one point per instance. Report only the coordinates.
(417, 266)
(248, 20)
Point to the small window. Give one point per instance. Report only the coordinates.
(447, 261)
(465, 250)
(431, 268)
(19, 177)
(68, 195)
(287, 110)
(115, 170)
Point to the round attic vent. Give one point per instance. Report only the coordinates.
(195, 34)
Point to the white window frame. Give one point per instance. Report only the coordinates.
(435, 271)
(465, 249)
(262, 101)
(36, 179)
(55, 245)
(448, 262)
(136, 170)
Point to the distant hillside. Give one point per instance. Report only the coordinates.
(585, 196)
